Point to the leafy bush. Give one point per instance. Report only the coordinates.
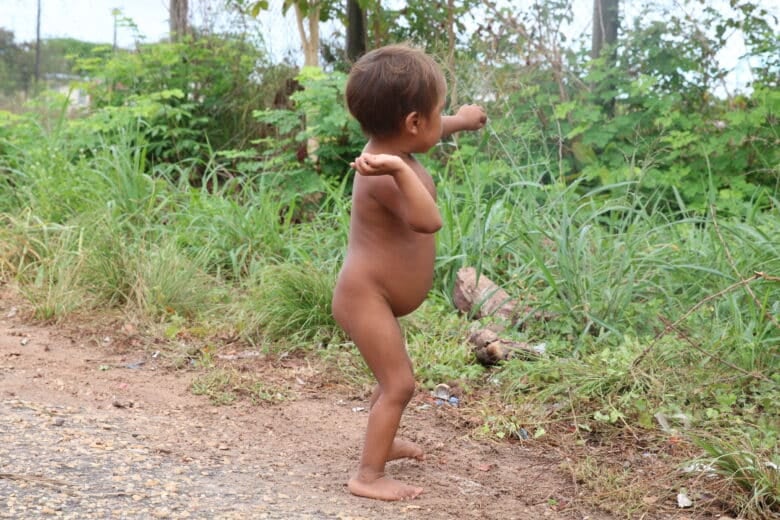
(204, 90)
(316, 138)
(647, 113)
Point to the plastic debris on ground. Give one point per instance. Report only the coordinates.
(442, 391)
(683, 501)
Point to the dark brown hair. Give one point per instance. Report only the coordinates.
(387, 84)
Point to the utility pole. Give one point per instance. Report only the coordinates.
(38, 45)
(115, 13)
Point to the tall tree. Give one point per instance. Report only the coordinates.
(378, 28)
(307, 16)
(356, 30)
(451, 52)
(606, 20)
(177, 21)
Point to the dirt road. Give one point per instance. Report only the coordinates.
(89, 430)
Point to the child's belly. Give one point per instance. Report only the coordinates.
(402, 277)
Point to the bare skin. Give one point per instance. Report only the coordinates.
(387, 273)
(401, 449)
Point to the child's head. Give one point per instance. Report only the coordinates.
(389, 83)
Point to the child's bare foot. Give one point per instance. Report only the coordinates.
(383, 488)
(405, 450)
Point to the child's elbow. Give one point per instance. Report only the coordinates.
(428, 227)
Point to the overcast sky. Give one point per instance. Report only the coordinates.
(91, 20)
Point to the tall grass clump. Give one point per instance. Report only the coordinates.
(17, 247)
(752, 470)
(231, 227)
(168, 281)
(94, 228)
(289, 304)
(654, 310)
(321, 237)
(49, 261)
(95, 263)
(479, 211)
(581, 253)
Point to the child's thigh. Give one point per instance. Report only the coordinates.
(370, 323)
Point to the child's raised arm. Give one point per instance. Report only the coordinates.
(468, 117)
(409, 199)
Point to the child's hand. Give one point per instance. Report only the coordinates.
(378, 164)
(472, 117)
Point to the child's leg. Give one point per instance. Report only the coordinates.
(375, 331)
(401, 449)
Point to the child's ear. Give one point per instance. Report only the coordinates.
(412, 123)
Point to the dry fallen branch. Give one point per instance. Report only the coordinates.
(694, 308)
(490, 349)
(478, 296)
(736, 271)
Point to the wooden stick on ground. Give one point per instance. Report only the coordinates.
(479, 297)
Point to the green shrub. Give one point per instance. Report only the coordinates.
(291, 304)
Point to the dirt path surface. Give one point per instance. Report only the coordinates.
(90, 430)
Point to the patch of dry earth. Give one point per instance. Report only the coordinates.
(89, 432)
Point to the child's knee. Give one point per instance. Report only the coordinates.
(401, 391)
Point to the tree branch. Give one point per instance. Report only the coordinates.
(671, 326)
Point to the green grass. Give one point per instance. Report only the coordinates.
(752, 470)
(290, 304)
(654, 310)
(437, 342)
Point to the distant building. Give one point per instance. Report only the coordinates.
(78, 98)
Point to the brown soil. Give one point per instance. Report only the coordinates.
(94, 425)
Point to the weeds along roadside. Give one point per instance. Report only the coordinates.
(661, 329)
(662, 321)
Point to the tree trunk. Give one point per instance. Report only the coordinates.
(379, 36)
(309, 42)
(311, 54)
(453, 79)
(606, 19)
(178, 19)
(356, 31)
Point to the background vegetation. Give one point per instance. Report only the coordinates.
(629, 193)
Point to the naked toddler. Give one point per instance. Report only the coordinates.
(397, 94)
